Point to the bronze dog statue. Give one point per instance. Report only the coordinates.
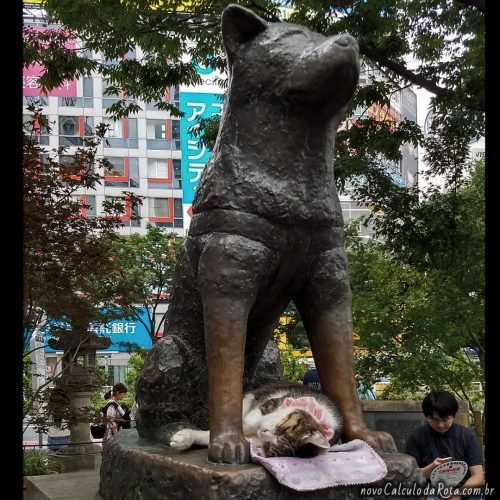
(267, 228)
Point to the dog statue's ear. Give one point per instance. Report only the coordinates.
(239, 25)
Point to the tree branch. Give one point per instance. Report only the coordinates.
(480, 5)
(401, 70)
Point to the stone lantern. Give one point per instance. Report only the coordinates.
(79, 380)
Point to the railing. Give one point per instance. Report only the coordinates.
(41, 439)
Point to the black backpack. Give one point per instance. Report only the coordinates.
(98, 430)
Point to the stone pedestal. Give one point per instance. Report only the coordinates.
(80, 454)
(134, 468)
(75, 457)
(80, 432)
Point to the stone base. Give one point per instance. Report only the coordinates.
(75, 458)
(135, 468)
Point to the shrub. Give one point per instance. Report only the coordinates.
(293, 369)
(39, 463)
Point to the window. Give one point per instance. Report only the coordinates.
(159, 207)
(72, 129)
(120, 201)
(133, 169)
(116, 167)
(109, 62)
(115, 128)
(159, 134)
(87, 204)
(176, 135)
(37, 100)
(87, 53)
(27, 124)
(178, 216)
(123, 172)
(121, 133)
(174, 95)
(176, 130)
(171, 96)
(158, 168)
(69, 101)
(151, 106)
(69, 125)
(176, 164)
(115, 199)
(86, 101)
(90, 210)
(136, 213)
(117, 373)
(109, 99)
(88, 87)
(79, 212)
(131, 54)
(132, 128)
(70, 168)
(39, 129)
(156, 129)
(66, 160)
(44, 159)
(105, 85)
(111, 375)
(171, 205)
(73, 162)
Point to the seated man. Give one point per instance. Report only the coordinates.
(442, 437)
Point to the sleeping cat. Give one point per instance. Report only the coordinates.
(281, 420)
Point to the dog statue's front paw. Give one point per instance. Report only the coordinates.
(182, 440)
(229, 449)
(380, 441)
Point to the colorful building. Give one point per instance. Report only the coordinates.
(153, 154)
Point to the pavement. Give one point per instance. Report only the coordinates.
(82, 485)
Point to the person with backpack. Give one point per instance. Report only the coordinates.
(113, 411)
(126, 419)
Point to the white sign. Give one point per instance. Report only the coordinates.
(449, 474)
(477, 150)
(427, 124)
(37, 356)
(395, 101)
(210, 78)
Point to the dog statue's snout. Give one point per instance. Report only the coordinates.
(345, 40)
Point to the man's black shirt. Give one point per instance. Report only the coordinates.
(458, 442)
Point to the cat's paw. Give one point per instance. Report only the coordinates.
(182, 440)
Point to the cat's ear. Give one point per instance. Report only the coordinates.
(318, 439)
(239, 25)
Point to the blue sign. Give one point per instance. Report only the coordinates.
(397, 179)
(202, 70)
(393, 174)
(195, 155)
(131, 331)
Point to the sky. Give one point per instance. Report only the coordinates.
(423, 102)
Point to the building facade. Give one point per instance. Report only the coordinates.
(154, 155)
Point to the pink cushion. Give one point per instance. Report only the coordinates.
(346, 464)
